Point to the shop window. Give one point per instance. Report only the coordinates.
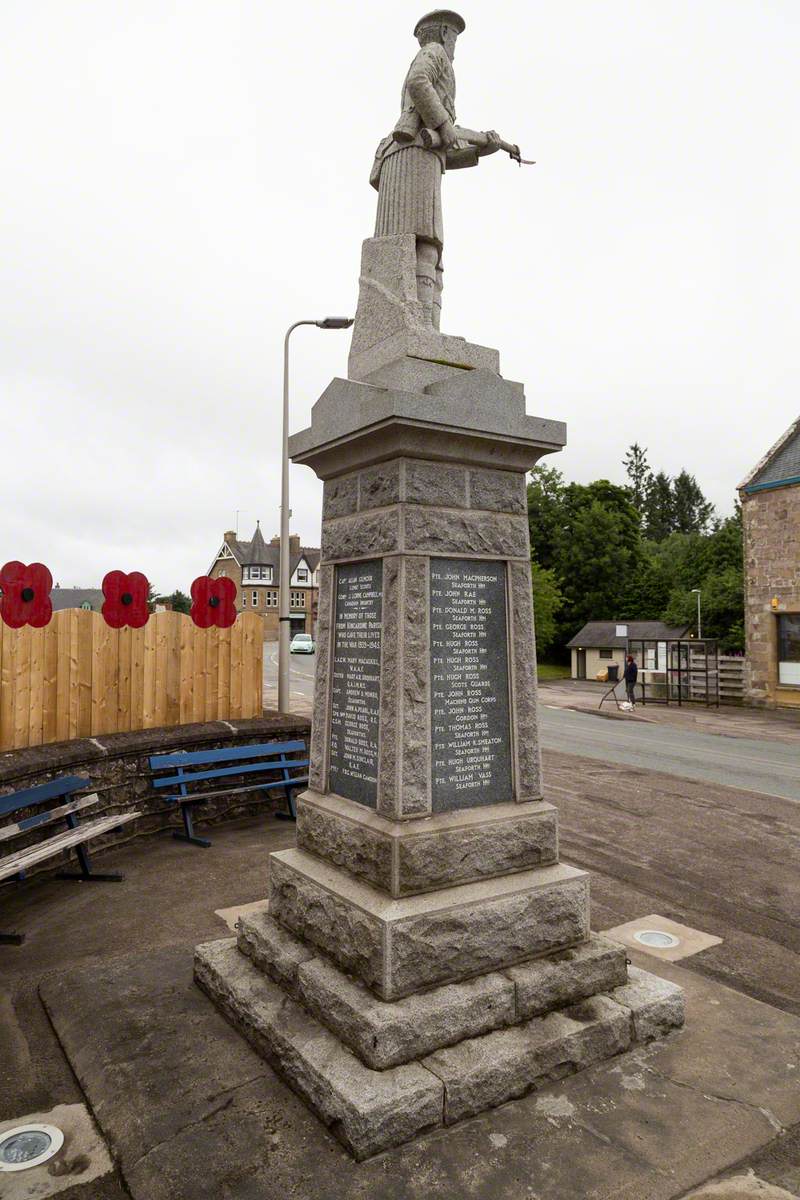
(789, 649)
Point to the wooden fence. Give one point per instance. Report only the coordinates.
(78, 677)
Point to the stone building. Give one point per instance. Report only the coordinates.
(255, 567)
(770, 497)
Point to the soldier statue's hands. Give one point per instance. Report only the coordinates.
(447, 132)
(493, 140)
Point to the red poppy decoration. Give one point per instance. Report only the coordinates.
(26, 595)
(125, 599)
(213, 602)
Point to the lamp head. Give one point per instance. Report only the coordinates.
(335, 323)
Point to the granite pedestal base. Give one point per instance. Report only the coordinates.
(379, 1073)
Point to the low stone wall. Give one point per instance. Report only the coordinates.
(117, 764)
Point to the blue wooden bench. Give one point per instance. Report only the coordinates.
(60, 792)
(188, 768)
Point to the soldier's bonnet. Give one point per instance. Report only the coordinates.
(441, 16)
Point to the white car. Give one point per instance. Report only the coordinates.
(301, 643)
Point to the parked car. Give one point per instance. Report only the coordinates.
(301, 643)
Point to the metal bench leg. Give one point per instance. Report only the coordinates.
(291, 815)
(86, 874)
(189, 834)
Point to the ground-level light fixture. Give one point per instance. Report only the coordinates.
(657, 939)
(29, 1146)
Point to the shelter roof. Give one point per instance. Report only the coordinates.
(603, 634)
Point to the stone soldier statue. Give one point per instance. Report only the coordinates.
(408, 166)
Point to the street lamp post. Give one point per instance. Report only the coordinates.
(283, 611)
(699, 626)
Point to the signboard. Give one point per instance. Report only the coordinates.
(470, 725)
(353, 770)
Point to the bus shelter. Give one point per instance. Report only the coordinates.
(677, 670)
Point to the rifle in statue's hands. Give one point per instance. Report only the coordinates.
(431, 139)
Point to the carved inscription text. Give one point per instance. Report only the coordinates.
(356, 682)
(470, 729)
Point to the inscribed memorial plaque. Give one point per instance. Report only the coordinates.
(353, 770)
(470, 727)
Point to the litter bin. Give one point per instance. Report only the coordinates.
(613, 673)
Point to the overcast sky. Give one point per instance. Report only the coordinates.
(181, 179)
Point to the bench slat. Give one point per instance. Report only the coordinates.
(62, 841)
(298, 780)
(221, 772)
(28, 797)
(45, 818)
(183, 758)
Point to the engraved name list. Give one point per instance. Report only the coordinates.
(353, 770)
(470, 733)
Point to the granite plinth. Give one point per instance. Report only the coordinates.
(367, 1110)
(391, 330)
(388, 1033)
(397, 947)
(356, 425)
(404, 858)
(372, 1110)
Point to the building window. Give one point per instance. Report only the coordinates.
(302, 575)
(298, 599)
(606, 654)
(272, 599)
(244, 600)
(253, 574)
(789, 649)
(255, 599)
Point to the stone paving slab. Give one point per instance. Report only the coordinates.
(190, 1111)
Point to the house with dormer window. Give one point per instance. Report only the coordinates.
(255, 567)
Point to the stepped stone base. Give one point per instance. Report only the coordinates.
(370, 1109)
(397, 947)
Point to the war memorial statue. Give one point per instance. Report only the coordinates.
(425, 142)
(425, 954)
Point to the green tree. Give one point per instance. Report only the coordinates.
(179, 600)
(639, 473)
(545, 502)
(599, 553)
(547, 601)
(691, 512)
(658, 511)
(722, 609)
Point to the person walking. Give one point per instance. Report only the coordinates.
(630, 676)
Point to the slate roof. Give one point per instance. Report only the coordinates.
(75, 598)
(257, 553)
(602, 634)
(779, 466)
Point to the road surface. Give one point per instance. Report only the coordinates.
(769, 767)
(754, 764)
